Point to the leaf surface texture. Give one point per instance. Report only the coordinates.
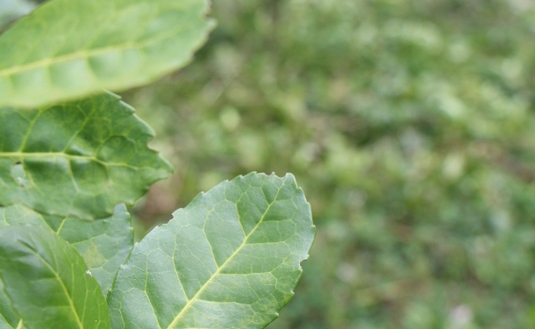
(76, 159)
(9, 319)
(230, 259)
(46, 281)
(104, 244)
(67, 49)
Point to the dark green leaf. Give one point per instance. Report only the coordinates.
(104, 244)
(80, 158)
(230, 259)
(9, 319)
(48, 282)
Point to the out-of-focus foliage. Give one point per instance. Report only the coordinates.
(410, 124)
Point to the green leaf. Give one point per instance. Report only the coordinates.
(46, 281)
(67, 49)
(77, 159)
(230, 259)
(9, 319)
(104, 244)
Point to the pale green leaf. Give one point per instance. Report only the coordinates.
(46, 281)
(104, 244)
(230, 259)
(77, 159)
(67, 49)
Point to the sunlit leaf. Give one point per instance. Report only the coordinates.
(67, 49)
(230, 259)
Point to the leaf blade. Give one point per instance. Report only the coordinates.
(46, 280)
(104, 244)
(202, 269)
(9, 319)
(94, 151)
(78, 47)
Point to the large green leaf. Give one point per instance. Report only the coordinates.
(104, 244)
(71, 48)
(230, 259)
(47, 281)
(80, 158)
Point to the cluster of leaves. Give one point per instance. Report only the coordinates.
(410, 125)
(73, 155)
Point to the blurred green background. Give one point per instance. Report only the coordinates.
(410, 124)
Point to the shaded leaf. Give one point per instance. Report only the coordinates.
(80, 158)
(67, 49)
(230, 259)
(46, 281)
(9, 319)
(104, 244)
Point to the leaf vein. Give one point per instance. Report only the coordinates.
(218, 271)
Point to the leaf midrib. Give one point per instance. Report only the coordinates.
(65, 291)
(84, 54)
(220, 268)
(7, 323)
(19, 325)
(23, 155)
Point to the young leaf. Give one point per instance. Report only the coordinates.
(46, 281)
(230, 259)
(80, 158)
(104, 244)
(67, 49)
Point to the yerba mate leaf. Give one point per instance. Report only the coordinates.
(76, 159)
(104, 244)
(47, 282)
(230, 259)
(67, 49)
